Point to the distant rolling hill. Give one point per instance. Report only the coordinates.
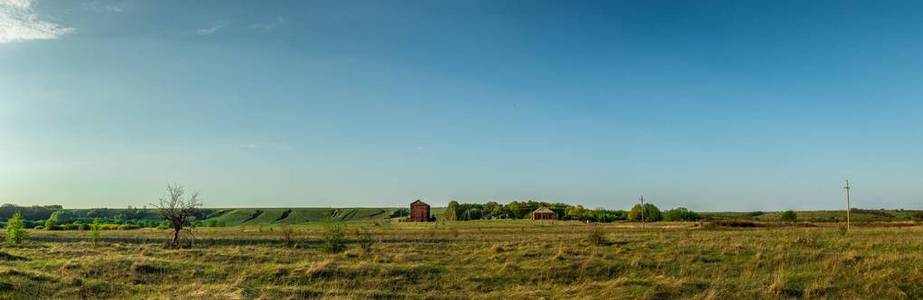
(258, 216)
(856, 215)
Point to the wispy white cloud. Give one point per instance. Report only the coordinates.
(102, 7)
(209, 30)
(20, 22)
(269, 26)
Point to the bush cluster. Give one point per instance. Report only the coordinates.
(523, 209)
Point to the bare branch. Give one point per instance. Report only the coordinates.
(179, 211)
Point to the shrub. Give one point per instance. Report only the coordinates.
(334, 241)
(15, 232)
(95, 231)
(680, 214)
(788, 216)
(651, 213)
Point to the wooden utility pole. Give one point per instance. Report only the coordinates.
(848, 204)
(642, 211)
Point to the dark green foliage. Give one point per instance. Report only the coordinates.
(651, 213)
(492, 209)
(28, 212)
(577, 212)
(788, 216)
(468, 211)
(680, 214)
(523, 210)
(119, 216)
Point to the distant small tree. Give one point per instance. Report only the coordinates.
(788, 216)
(95, 231)
(451, 211)
(52, 221)
(680, 214)
(493, 209)
(15, 229)
(651, 213)
(515, 210)
(574, 212)
(473, 214)
(179, 212)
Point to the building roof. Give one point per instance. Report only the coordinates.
(543, 210)
(418, 202)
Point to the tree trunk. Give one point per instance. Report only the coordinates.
(175, 242)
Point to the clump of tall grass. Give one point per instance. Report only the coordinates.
(334, 240)
(365, 239)
(596, 236)
(288, 236)
(841, 230)
(780, 285)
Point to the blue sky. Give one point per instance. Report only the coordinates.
(711, 105)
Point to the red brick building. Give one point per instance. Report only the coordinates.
(419, 211)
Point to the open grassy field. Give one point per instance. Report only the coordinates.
(477, 259)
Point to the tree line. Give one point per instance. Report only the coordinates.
(492, 210)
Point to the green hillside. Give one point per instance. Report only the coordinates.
(856, 215)
(255, 216)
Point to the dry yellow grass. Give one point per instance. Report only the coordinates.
(519, 260)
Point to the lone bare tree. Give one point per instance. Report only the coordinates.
(179, 211)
